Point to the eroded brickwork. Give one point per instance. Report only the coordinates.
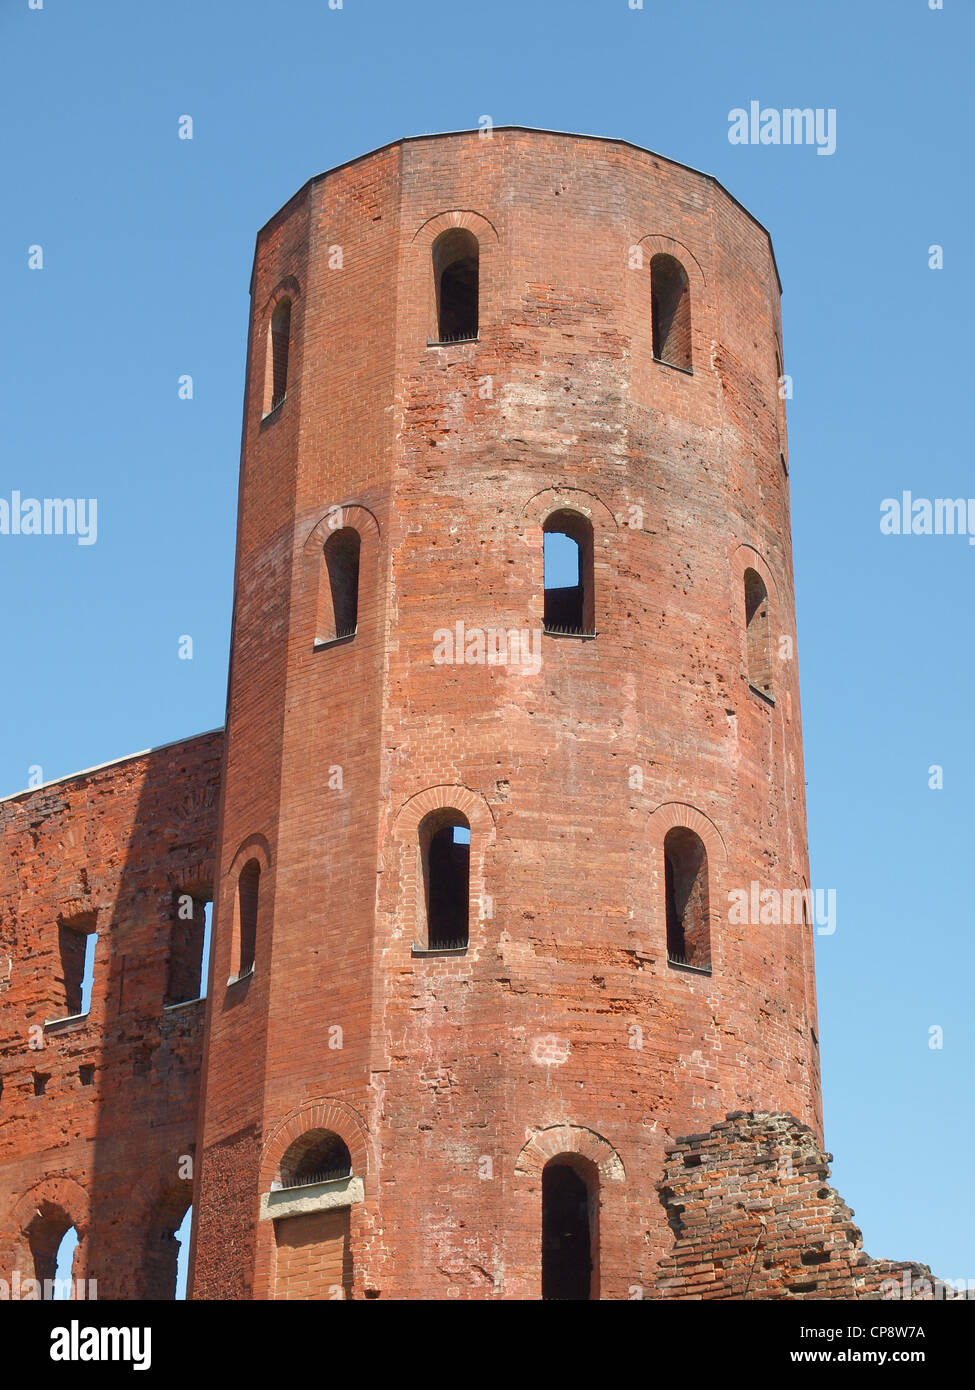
(101, 1148)
(754, 1216)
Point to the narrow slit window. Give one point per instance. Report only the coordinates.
(670, 297)
(455, 273)
(757, 633)
(76, 946)
(189, 947)
(248, 895)
(445, 849)
(568, 561)
(338, 587)
(279, 348)
(686, 890)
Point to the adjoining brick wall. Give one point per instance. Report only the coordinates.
(314, 1259)
(108, 1146)
(755, 1218)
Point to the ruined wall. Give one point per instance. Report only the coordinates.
(114, 849)
(754, 1217)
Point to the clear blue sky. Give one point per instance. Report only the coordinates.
(147, 244)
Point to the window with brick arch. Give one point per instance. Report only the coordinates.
(757, 633)
(445, 855)
(456, 262)
(279, 347)
(570, 1203)
(570, 609)
(688, 909)
(53, 1240)
(248, 897)
(321, 1155)
(338, 587)
(670, 296)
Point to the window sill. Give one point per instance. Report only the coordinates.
(322, 643)
(692, 969)
(417, 950)
(688, 371)
(273, 412)
(66, 1024)
(318, 1196)
(576, 636)
(452, 342)
(244, 975)
(765, 695)
(184, 1003)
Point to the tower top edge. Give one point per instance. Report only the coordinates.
(523, 130)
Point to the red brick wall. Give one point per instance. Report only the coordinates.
(120, 842)
(313, 1256)
(570, 777)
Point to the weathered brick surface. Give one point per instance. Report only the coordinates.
(754, 1218)
(120, 842)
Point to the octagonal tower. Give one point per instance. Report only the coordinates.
(488, 832)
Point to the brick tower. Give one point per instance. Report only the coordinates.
(474, 968)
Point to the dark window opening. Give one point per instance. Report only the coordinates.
(567, 1233)
(318, 1156)
(686, 889)
(338, 594)
(455, 272)
(41, 1078)
(757, 633)
(76, 946)
(248, 893)
(280, 347)
(670, 300)
(86, 1074)
(189, 947)
(445, 847)
(570, 609)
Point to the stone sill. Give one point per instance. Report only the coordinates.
(765, 695)
(317, 1196)
(692, 969)
(239, 979)
(185, 1003)
(572, 636)
(453, 342)
(69, 1024)
(688, 371)
(417, 950)
(272, 414)
(322, 643)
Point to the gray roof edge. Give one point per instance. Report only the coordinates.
(113, 762)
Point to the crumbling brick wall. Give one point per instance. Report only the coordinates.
(754, 1217)
(105, 1143)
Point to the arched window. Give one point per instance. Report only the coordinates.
(455, 276)
(279, 345)
(338, 587)
(53, 1241)
(569, 592)
(77, 939)
(686, 887)
(445, 852)
(248, 894)
(320, 1155)
(570, 1193)
(670, 298)
(757, 633)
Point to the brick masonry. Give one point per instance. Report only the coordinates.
(563, 1029)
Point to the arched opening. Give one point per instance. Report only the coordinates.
(321, 1155)
(455, 274)
(757, 633)
(77, 939)
(248, 896)
(686, 886)
(53, 1241)
(445, 852)
(670, 305)
(338, 586)
(279, 346)
(570, 609)
(570, 1191)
